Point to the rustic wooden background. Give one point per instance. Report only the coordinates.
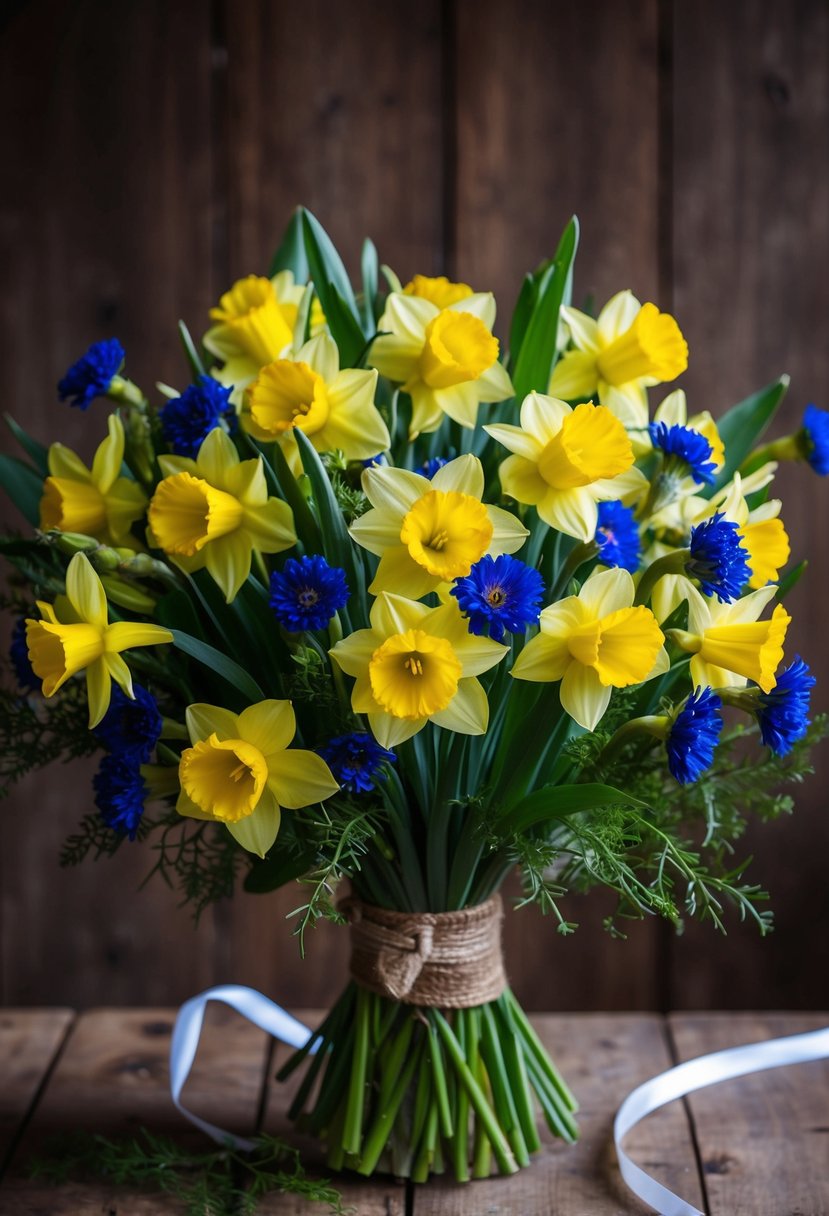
(152, 153)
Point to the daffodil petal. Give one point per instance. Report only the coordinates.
(617, 316)
(98, 689)
(480, 304)
(607, 591)
(395, 490)
(398, 570)
(465, 475)
(544, 660)
(63, 462)
(476, 653)
(228, 562)
(521, 480)
(516, 440)
(124, 503)
(322, 356)
(258, 830)
(673, 411)
(355, 425)
(584, 330)
(426, 413)
(573, 512)
(494, 384)
(352, 654)
(362, 698)
(460, 403)
(747, 609)
(583, 696)
(542, 417)
(395, 614)
(269, 528)
(468, 711)
(217, 455)
(106, 465)
(206, 720)
(300, 778)
(269, 725)
(186, 806)
(629, 402)
(508, 533)
(170, 465)
(125, 635)
(86, 592)
(574, 375)
(377, 530)
(119, 671)
(389, 731)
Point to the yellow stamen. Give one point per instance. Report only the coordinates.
(72, 506)
(652, 347)
(286, 394)
(458, 348)
(440, 291)
(224, 778)
(413, 674)
(446, 533)
(259, 324)
(186, 512)
(591, 445)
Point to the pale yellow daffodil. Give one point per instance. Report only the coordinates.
(417, 665)
(95, 502)
(629, 347)
(441, 291)
(727, 643)
(239, 771)
(446, 358)
(308, 391)
(215, 512)
(85, 640)
(428, 532)
(594, 642)
(255, 325)
(567, 460)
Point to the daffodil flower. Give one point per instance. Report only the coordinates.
(629, 347)
(417, 665)
(215, 512)
(594, 642)
(96, 502)
(440, 291)
(85, 640)
(428, 532)
(727, 643)
(446, 359)
(308, 391)
(566, 461)
(240, 771)
(255, 325)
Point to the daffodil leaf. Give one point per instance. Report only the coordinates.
(537, 354)
(219, 663)
(325, 264)
(36, 451)
(744, 424)
(558, 801)
(345, 331)
(370, 269)
(291, 252)
(338, 546)
(191, 353)
(23, 485)
(790, 579)
(304, 522)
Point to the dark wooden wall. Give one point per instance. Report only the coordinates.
(152, 151)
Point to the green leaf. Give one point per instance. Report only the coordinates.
(175, 610)
(325, 263)
(521, 315)
(23, 485)
(370, 269)
(744, 424)
(291, 253)
(538, 349)
(558, 801)
(337, 544)
(304, 523)
(219, 663)
(36, 451)
(790, 579)
(191, 352)
(344, 329)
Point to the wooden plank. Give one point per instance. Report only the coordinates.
(750, 248)
(762, 1139)
(112, 1078)
(557, 112)
(377, 1197)
(29, 1040)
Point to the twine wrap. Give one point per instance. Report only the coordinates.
(444, 960)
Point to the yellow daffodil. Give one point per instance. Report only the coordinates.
(417, 665)
(727, 643)
(445, 358)
(85, 640)
(440, 291)
(255, 325)
(593, 642)
(96, 502)
(239, 771)
(629, 347)
(308, 391)
(430, 532)
(215, 512)
(566, 461)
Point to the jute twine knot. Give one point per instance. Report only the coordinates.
(445, 960)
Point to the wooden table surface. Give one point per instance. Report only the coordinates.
(754, 1147)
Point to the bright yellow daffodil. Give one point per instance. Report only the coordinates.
(214, 511)
(417, 665)
(727, 643)
(441, 291)
(566, 460)
(255, 325)
(594, 642)
(239, 771)
(85, 640)
(428, 532)
(95, 502)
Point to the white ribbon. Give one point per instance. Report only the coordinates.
(697, 1074)
(184, 1044)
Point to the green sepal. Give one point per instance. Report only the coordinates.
(537, 354)
(742, 426)
(291, 252)
(37, 452)
(559, 801)
(24, 486)
(219, 663)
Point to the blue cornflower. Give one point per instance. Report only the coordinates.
(617, 535)
(19, 658)
(689, 446)
(92, 375)
(783, 713)
(693, 736)
(130, 728)
(307, 592)
(355, 761)
(186, 421)
(120, 793)
(375, 461)
(816, 431)
(499, 593)
(718, 558)
(430, 467)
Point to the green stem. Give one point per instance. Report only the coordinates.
(380, 1130)
(671, 563)
(352, 1133)
(447, 1126)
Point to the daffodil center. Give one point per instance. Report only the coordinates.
(186, 512)
(591, 445)
(446, 533)
(224, 778)
(458, 347)
(72, 506)
(258, 324)
(413, 674)
(288, 394)
(652, 347)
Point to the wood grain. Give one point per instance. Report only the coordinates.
(762, 1139)
(29, 1041)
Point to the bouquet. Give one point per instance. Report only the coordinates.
(374, 595)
